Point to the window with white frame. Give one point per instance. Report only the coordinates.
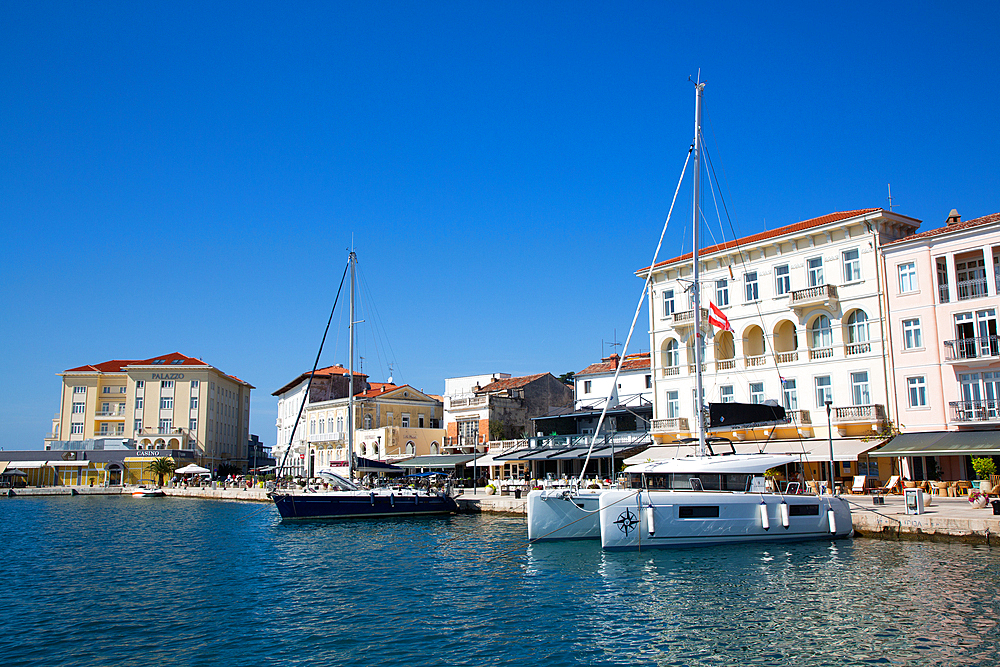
(859, 388)
(76, 429)
(79, 390)
(406, 419)
(166, 425)
(138, 402)
(137, 425)
(368, 421)
(726, 393)
(824, 390)
(166, 384)
(140, 384)
(668, 302)
(194, 402)
(857, 327)
(722, 292)
(822, 333)
(916, 388)
(790, 394)
(194, 384)
(852, 265)
(756, 392)
(814, 275)
(782, 280)
(587, 385)
(907, 277)
(912, 338)
(751, 287)
(166, 402)
(78, 408)
(673, 354)
(193, 424)
(673, 405)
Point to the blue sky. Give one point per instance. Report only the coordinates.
(177, 177)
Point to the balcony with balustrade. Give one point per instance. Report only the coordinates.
(670, 426)
(868, 417)
(820, 295)
(684, 319)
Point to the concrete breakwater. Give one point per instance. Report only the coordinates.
(946, 519)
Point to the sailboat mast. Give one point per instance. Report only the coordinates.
(696, 286)
(350, 381)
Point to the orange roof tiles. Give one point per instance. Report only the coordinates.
(632, 362)
(975, 222)
(772, 233)
(172, 360)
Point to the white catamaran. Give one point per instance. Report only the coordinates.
(705, 498)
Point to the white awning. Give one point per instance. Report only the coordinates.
(29, 465)
(485, 461)
(844, 449)
(69, 464)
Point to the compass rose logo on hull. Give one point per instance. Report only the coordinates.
(627, 521)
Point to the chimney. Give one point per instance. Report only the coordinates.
(953, 218)
(614, 360)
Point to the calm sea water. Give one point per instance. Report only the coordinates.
(124, 581)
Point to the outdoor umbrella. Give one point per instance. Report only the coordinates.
(191, 469)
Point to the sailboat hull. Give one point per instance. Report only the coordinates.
(345, 505)
(670, 519)
(563, 515)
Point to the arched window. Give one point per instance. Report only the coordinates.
(364, 449)
(410, 449)
(434, 448)
(822, 335)
(368, 421)
(857, 327)
(673, 354)
(375, 449)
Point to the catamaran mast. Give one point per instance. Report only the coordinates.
(352, 259)
(699, 88)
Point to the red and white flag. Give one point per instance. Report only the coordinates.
(717, 318)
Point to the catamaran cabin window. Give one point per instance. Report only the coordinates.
(803, 510)
(698, 512)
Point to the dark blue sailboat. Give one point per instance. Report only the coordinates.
(343, 498)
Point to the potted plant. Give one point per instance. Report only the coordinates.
(978, 499)
(983, 467)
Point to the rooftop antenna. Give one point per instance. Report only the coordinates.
(613, 343)
(889, 186)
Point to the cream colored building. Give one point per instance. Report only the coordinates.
(170, 402)
(806, 305)
(391, 422)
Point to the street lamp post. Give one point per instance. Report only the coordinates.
(829, 435)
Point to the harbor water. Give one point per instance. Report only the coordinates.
(171, 581)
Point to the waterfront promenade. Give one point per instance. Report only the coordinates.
(946, 519)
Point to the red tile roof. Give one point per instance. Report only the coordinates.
(119, 365)
(510, 383)
(378, 389)
(632, 362)
(172, 360)
(772, 233)
(975, 222)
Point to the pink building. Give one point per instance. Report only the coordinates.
(941, 288)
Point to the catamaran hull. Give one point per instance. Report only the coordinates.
(562, 515)
(346, 506)
(671, 519)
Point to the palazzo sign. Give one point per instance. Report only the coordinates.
(168, 376)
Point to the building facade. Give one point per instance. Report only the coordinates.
(501, 410)
(942, 288)
(172, 403)
(391, 422)
(806, 315)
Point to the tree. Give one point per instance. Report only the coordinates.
(567, 378)
(160, 467)
(227, 469)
